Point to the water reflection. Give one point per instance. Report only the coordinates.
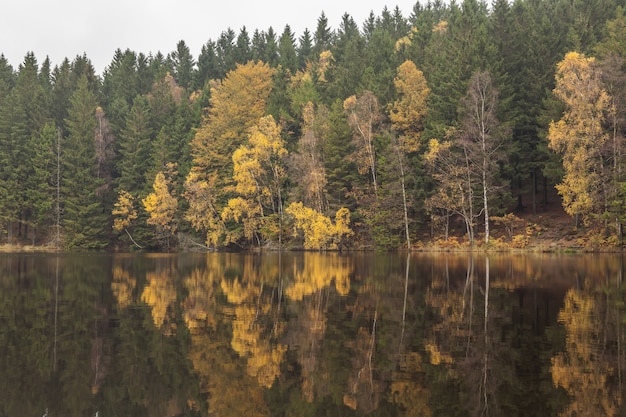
(311, 334)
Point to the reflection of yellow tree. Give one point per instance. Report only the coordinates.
(123, 285)
(252, 337)
(318, 272)
(230, 392)
(407, 387)
(199, 307)
(581, 369)
(311, 280)
(159, 294)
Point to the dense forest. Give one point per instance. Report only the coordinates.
(453, 120)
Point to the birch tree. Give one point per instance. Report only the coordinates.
(482, 136)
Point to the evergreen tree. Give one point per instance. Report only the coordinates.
(62, 88)
(183, 64)
(271, 55)
(119, 87)
(305, 49)
(226, 52)
(341, 171)
(242, 48)
(287, 50)
(258, 46)
(346, 75)
(323, 37)
(84, 220)
(208, 65)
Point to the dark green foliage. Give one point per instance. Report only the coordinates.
(341, 173)
(183, 65)
(287, 50)
(242, 48)
(305, 49)
(270, 51)
(84, 220)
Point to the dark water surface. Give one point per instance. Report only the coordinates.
(312, 335)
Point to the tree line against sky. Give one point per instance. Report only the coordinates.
(367, 135)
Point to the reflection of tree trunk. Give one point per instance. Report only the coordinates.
(469, 284)
(56, 315)
(406, 290)
(485, 409)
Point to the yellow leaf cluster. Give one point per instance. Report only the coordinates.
(236, 105)
(161, 205)
(319, 231)
(408, 112)
(579, 135)
(202, 213)
(124, 211)
(325, 62)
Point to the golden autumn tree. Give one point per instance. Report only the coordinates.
(203, 213)
(319, 231)
(236, 105)
(124, 213)
(408, 112)
(259, 172)
(579, 135)
(407, 116)
(162, 205)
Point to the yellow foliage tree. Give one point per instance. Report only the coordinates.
(236, 105)
(161, 205)
(319, 231)
(258, 170)
(408, 112)
(124, 213)
(202, 212)
(579, 135)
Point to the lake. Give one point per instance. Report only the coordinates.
(309, 334)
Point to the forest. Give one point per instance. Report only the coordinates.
(451, 123)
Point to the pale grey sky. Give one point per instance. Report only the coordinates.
(66, 28)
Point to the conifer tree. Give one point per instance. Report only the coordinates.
(84, 220)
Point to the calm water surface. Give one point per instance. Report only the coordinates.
(312, 335)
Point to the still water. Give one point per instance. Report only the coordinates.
(312, 335)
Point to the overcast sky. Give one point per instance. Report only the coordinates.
(66, 28)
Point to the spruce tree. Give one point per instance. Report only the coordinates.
(84, 220)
